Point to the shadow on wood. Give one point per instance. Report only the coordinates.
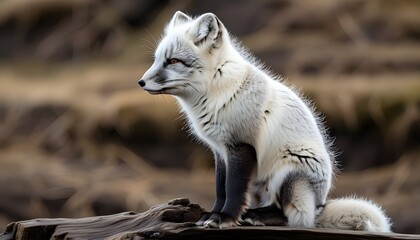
(175, 220)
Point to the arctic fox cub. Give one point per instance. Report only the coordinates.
(272, 158)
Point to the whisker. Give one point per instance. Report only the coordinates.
(153, 38)
(149, 51)
(150, 44)
(166, 100)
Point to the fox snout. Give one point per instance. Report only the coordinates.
(142, 83)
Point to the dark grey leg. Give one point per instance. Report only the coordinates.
(220, 189)
(220, 186)
(240, 165)
(265, 216)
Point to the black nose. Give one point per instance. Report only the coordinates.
(142, 83)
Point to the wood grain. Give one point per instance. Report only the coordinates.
(174, 220)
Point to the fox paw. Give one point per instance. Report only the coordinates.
(251, 219)
(254, 217)
(204, 218)
(251, 222)
(220, 220)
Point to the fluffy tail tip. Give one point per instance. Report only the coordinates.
(354, 214)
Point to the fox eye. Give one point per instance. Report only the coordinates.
(173, 61)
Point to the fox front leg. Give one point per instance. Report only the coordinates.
(240, 165)
(220, 190)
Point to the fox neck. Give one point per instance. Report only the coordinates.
(222, 82)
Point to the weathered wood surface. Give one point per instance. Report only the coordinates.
(174, 220)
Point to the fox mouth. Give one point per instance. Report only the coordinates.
(163, 87)
(165, 90)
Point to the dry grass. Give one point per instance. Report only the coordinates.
(108, 177)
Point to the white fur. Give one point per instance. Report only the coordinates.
(244, 103)
(353, 214)
(301, 211)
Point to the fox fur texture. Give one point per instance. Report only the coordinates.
(273, 160)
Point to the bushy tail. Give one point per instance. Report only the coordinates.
(353, 214)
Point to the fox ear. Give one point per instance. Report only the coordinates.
(179, 17)
(208, 30)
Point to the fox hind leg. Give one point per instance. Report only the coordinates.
(264, 216)
(298, 201)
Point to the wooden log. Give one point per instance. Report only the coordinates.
(175, 220)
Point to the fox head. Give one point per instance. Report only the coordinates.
(187, 57)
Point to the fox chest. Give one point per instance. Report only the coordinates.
(213, 133)
(223, 131)
(223, 124)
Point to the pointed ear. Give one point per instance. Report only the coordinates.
(207, 30)
(179, 17)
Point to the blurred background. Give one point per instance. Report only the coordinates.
(78, 137)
